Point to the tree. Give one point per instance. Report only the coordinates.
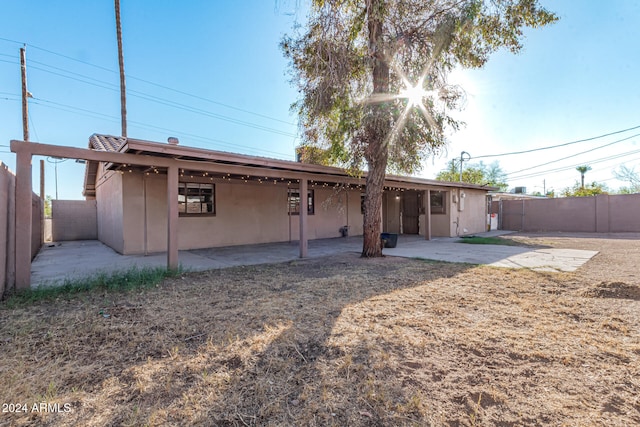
(491, 175)
(372, 76)
(580, 190)
(583, 170)
(47, 206)
(630, 175)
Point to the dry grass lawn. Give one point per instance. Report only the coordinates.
(339, 341)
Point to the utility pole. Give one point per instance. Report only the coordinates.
(123, 92)
(25, 94)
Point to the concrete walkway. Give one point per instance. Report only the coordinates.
(58, 262)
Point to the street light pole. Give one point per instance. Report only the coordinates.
(55, 161)
(462, 159)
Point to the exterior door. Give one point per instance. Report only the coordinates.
(410, 212)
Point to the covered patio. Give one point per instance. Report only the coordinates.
(168, 164)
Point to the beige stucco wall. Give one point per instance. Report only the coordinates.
(246, 213)
(109, 209)
(331, 211)
(472, 218)
(249, 213)
(74, 220)
(156, 213)
(441, 224)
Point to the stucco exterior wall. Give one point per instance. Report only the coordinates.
(331, 214)
(355, 218)
(155, 211)
(246, 213)
(109, 209)
(132, 214)
(471, 212)
(441, 223)
(74, 220)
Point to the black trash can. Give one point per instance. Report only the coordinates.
(389, 240)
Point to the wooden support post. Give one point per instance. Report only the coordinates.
(172, 217)
(427, 216)
(23, 218)
(304, 207)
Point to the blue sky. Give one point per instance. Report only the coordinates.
(211, 73)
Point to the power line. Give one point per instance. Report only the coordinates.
(573, 155)
(559, 145)
(90, 113)
(162, 101)
(153, 84)
(566, 168)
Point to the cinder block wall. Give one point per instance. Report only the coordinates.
(37, 217)
(74, 220)
(7, 228)
(599, 214)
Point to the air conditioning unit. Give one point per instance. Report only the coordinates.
(521, 190)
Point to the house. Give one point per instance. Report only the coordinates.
(151, 197)
(226, 199)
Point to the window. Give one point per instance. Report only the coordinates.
(438, 202)
(196, 199)
(294, 202)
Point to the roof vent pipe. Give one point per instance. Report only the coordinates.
(173, 140)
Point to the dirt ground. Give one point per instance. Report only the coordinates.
(339, 341)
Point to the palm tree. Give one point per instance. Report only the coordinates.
(583, 170)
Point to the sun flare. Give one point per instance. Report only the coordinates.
(414, 95)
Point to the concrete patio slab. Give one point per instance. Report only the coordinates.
(75, 260)
(546, 259)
